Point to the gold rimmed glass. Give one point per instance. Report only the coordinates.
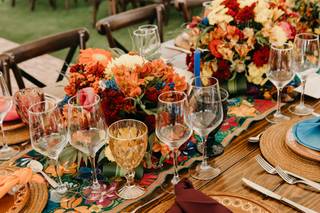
(128, 144)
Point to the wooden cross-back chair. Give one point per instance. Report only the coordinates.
(11, 58)
(185, 7)
(147, 13)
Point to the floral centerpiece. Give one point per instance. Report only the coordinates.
(235, 36)
(129, 86)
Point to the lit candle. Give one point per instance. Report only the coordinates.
(196, 67)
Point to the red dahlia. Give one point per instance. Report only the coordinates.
(245, 14)
(261, 56)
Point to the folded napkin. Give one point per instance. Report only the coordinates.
(307, 133)
(19, 177)
(189, 200)
(12, 114)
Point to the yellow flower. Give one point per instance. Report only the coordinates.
(95, 208)
(226, 52)
(129, 61)
(218, 13)
(238, 66)
(244, 3)
(277, 35)
(255, 74)
(262, 12)
(276, 14)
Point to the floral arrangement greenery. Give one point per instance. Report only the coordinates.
(129, 86)
(235, 36)
(309, 11)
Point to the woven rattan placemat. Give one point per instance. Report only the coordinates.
(274, 149)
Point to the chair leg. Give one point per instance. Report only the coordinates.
(96, 4)
(13, 3)
(53, 4)
(32, 5)
(66, 4)
(112, 7)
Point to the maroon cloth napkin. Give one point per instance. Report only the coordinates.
(189, 200)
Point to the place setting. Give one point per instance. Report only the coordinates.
(201, 115)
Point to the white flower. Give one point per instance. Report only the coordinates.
(127, 60)
(218, 13)
(277, 35)
(255, 74)
(244, 3)
(238, 66)
(262, 12)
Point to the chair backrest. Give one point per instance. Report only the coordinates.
(11, 58)
(150, 12)
(186, 5)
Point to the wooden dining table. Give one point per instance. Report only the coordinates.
(237, 161)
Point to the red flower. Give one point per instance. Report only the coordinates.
(213, 47)
(223, 72)
(150, 121)
(76, 68)
(261, 56)
(233, 7)
(245, 14)
(112, 103)
(152, 94)
(190, 61)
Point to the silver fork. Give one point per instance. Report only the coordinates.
(292, 180)
(265, 165)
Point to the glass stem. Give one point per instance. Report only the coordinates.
(279, 101)
(176, 178)
(130, 177)
(95, 183)
(204, 162)
(303, 82)
(4, 139)
(56, 162)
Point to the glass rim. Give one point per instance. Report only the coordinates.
(143, 32)
(227, 94)
(199, 77)
(316, 37)
(51, 109)
(206, 3)
(288, 47)
(173, 92)
(148, 26)
(125, 139)
(97, 100)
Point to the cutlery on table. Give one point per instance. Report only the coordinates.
(37, 167)
(293, 180)
(271, 170)
(255, 139)
(275, 196)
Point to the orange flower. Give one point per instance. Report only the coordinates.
(180, 83)
(90, 57)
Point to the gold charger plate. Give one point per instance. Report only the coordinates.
(14, 203)
(241, 204)
(18, 134)
(300, 149)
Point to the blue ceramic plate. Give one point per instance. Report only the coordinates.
(307, 133)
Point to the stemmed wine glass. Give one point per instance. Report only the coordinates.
(171, 126)
(87, 132)
(6, 103)
(128, 144)
(306, 62)
(48, 134)
(205, 114)
(280, 73)
(147, 41)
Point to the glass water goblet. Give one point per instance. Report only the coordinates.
(280, 73)
(172, 128)
(147, 41)
(48, 134)
(205, 114)
(87, 132)
(6, 103)
(128, 143)
(306, 62)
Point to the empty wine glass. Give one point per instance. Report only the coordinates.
(280, 73)
(306, 62)
(88, 133)
(206, 8)
(171, 126)
(128, 144)
(205, 114)
(147, 41)
(6, 103)
(48, 134)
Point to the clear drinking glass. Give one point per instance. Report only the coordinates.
(147, 41)
(206, 8)
(6, 103)
(48, 134)
(306, 62)
(280, 73)
(171, 126)
(205, 114)
(128, 143)
(87, 132)
(24, 98)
